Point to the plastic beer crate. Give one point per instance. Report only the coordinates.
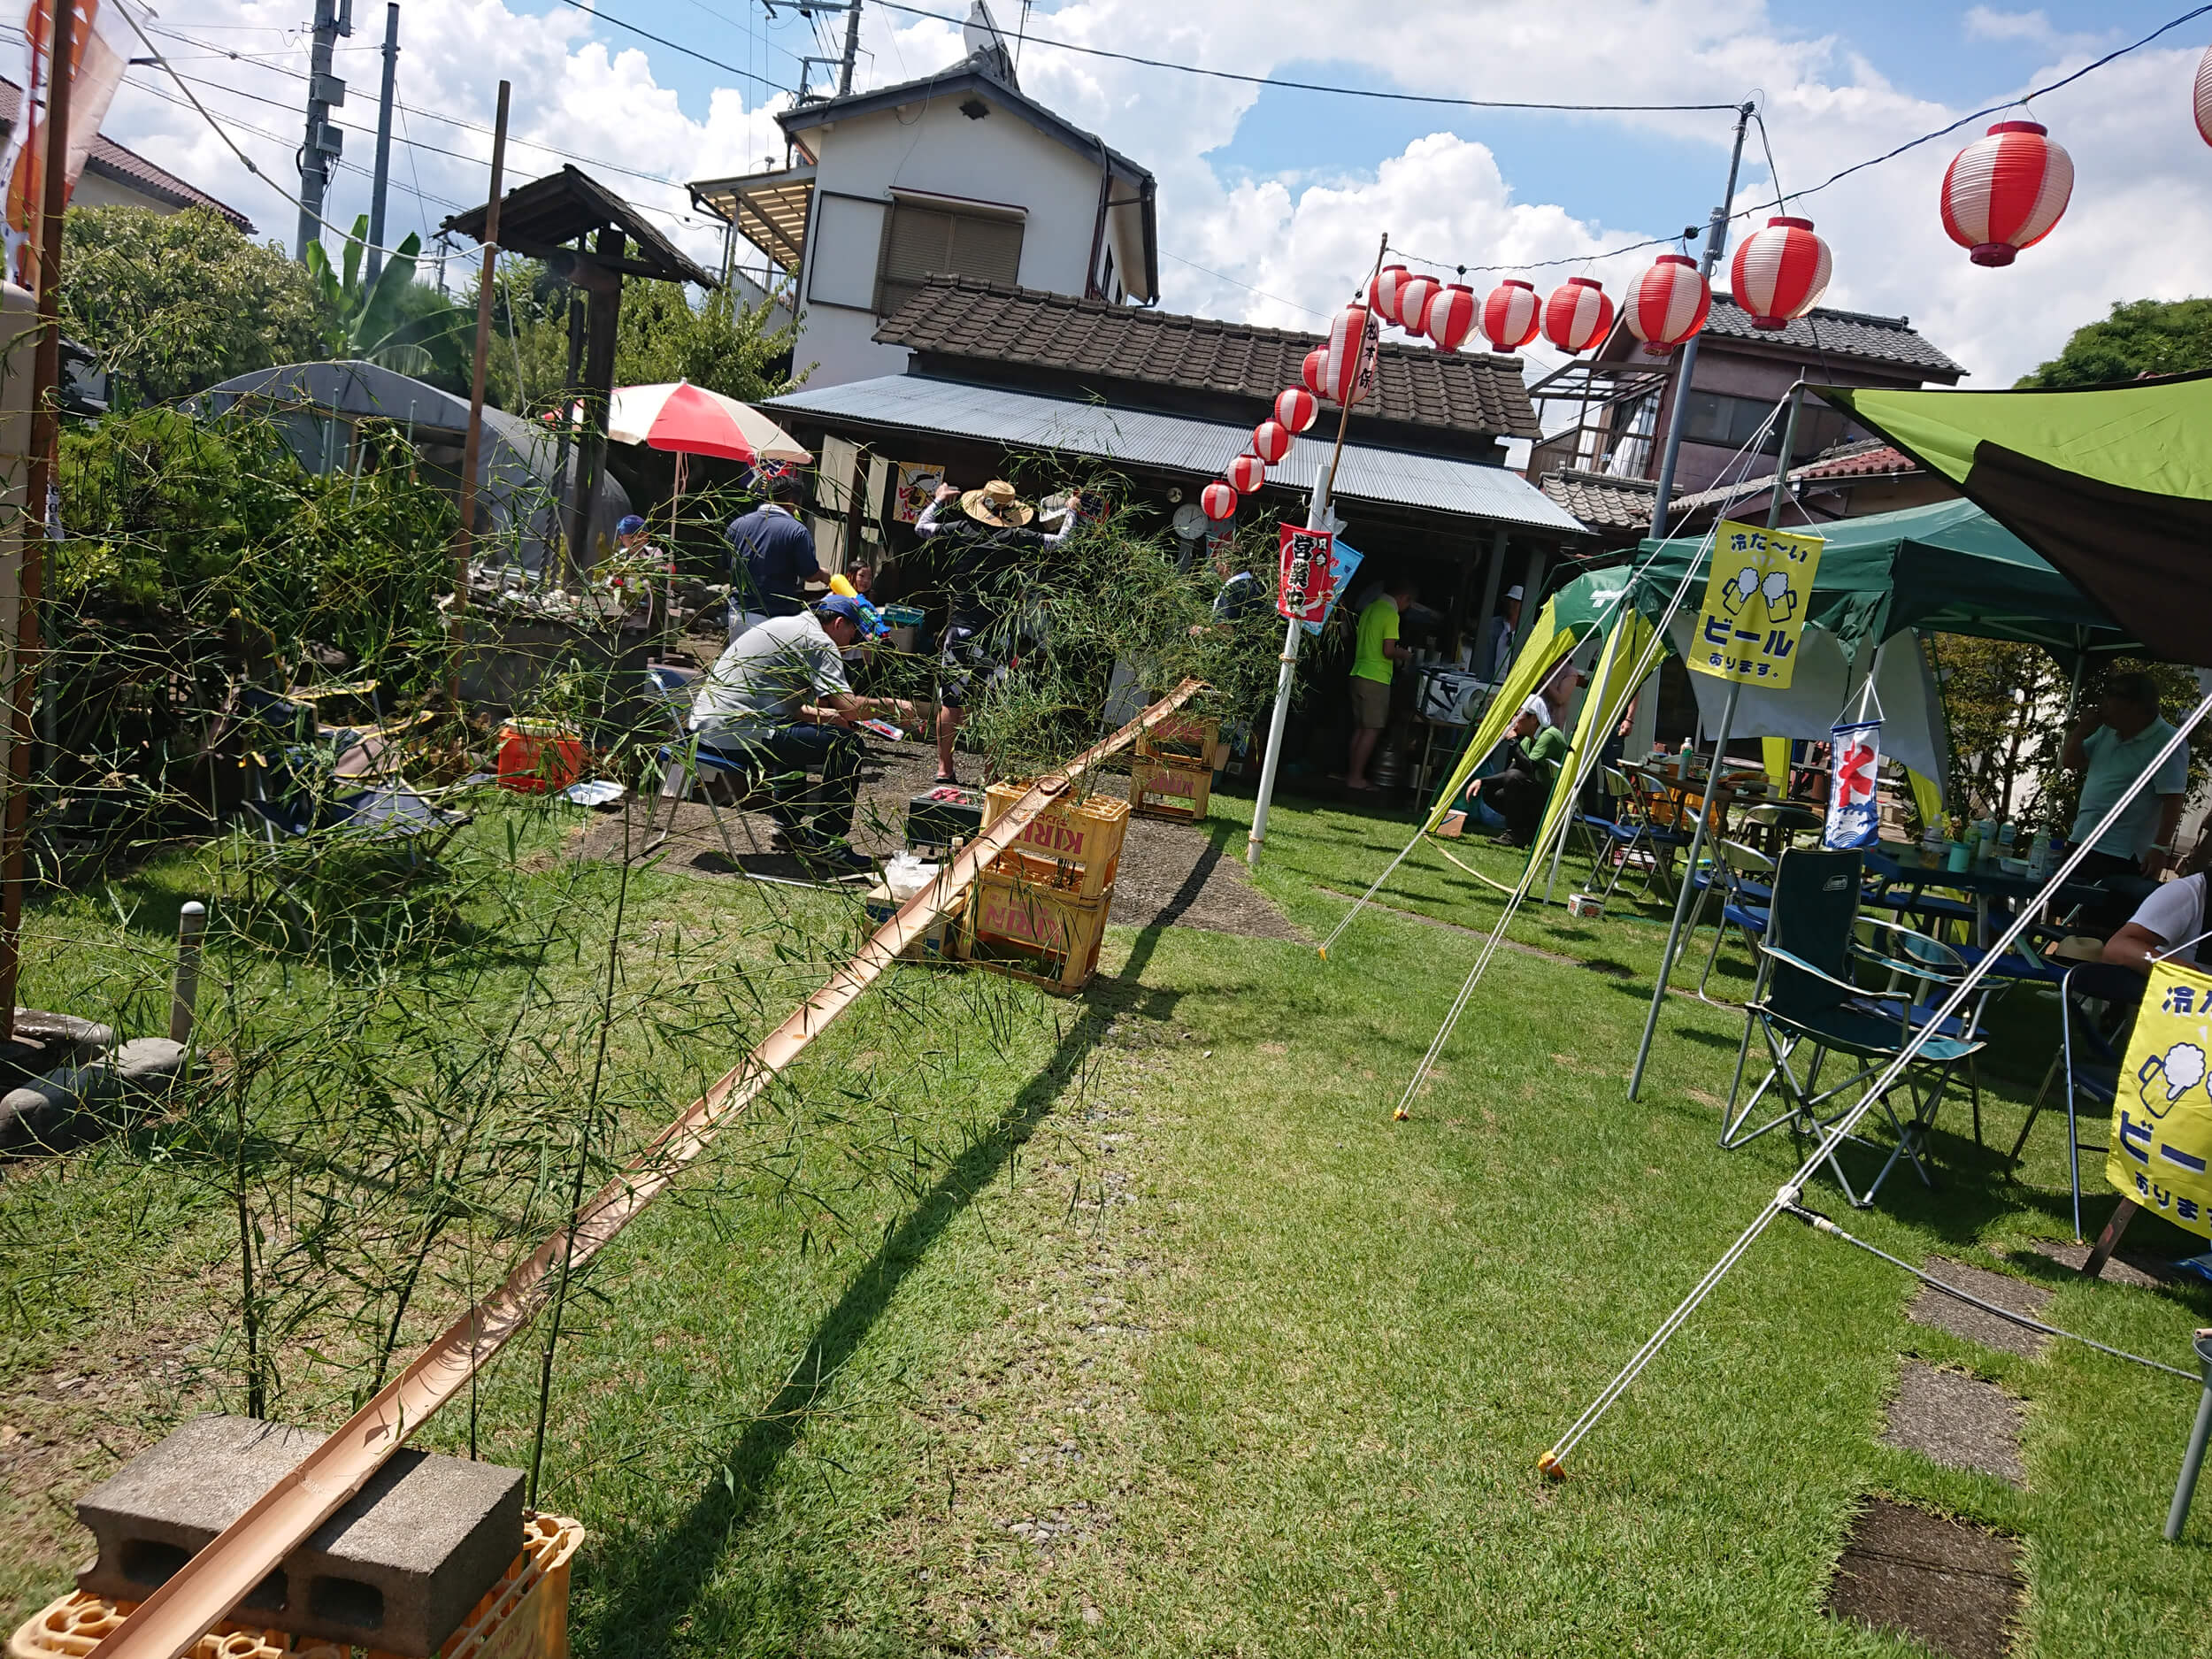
(1074, 846)
(1162, 788)
(1189, 740)
(1044, 935)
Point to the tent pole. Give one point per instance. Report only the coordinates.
(1701, 834)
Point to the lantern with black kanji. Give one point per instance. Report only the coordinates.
(1271, 440)
(2005, 191)
(1577, 314)
(1780, 273)
(1296, 408)
(1511, 314)
(1668, 304)
(1218, 501)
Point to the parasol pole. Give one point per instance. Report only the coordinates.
(473, 446)
(1316, 518)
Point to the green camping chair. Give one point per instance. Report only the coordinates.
(1816, 996)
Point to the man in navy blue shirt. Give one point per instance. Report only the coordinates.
(771, 557)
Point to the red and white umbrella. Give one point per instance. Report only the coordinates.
(691, 420)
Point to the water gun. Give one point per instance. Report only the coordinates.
(869, 615)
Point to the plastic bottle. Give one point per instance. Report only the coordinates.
(2007, 837)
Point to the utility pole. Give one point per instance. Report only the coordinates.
(383, 141)
(852, 50)
(324, 142)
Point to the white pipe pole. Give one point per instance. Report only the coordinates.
(1316, 518)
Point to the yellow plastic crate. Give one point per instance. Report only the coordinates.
(1043, 934)
(1164, 788)
(1189, 740)
(1072, 845)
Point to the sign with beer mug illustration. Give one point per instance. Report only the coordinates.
(1756, 601)
(2162, 1114)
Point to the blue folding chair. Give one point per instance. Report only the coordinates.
(1610, 837)
(1811, 1001)
(1746, 881)
(2096, 1001)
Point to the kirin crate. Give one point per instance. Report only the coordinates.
(1162, 788)
(1184, 740)
(1073, 846)
(1044, 935)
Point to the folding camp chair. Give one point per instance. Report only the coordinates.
(1653, 813)
(688, 768)
(2096, 1000)
(1807, 998)
(292, 794)
(1610, 837)
(1747, 877)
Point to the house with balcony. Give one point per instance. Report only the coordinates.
(959, 174)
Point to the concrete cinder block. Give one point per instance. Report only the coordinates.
(397, 1569)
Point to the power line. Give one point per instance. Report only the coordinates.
(1219, 277)
(1314, 86)
(605, 16)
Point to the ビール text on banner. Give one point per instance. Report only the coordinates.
(2162, 1116)
(1855, 761)
(1309, 574)
(1756, 601)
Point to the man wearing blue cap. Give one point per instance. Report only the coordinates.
(778, 698)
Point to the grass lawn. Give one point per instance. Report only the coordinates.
(1132, 1326)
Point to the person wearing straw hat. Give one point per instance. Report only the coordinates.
(987, 541)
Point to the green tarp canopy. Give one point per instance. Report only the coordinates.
(1948, 568)
(2111, 484)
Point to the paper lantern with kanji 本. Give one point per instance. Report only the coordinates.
(1219, 500)
(1310, 370)
(2204, 97)
(1780, 273)
(1668, 304)
(1246, 473)
(1414, 295)
(1451, 317)
(1577, 314)
(2005, 192)
(1384, 293)
(1271, 440)
(1296, 408)
(1511, 314)
(1344, 356)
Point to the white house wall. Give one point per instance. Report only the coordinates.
(931, 147)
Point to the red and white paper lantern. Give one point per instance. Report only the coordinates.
(1218, 501)
(1271, 440)
(1384, 293)
(1668, 304)
(1344, 355)
(1414, 295)
(1311, 369)
(2005, 191)
(1296, 408)
(1246, 473)
(1780, 273)
(1511, 314)
(1451, 317)
(1577, 314)
(2204, 97)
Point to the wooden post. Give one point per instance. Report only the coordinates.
(2108, 1240)
(39, 483)
(473, 446)
(602, 282)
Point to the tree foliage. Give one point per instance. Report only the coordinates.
(2140, 337)
(172, 303)
(393, 321)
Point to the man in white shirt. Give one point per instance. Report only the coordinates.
(2110, 745)
(778, 698)
(2169, 922)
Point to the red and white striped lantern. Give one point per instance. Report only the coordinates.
(1414, 295)
(1296, 408)
(1451, 317)
(2005, 192)
(1577, 314)
(2204, 97)
(1271, 440)
(1218, 501)
(1668, 304)
(1780, 273)
(1342, 356)
(1246, 473)
(1383, 294)
(1511, 314)
(1311, 369)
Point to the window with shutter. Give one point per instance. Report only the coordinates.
(920, 242)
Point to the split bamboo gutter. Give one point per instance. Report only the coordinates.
(205, 1590)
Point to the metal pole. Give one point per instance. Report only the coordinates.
(184, 996)
(383, 141)
(464, 541)
(1698, 835)
(1716, 238)
(39, 483)
(2192, 1459)
(324, 143)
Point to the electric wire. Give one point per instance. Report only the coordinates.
(605, 16)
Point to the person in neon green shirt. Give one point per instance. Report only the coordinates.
(1375, 656)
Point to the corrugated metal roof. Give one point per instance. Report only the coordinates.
(1021, 420)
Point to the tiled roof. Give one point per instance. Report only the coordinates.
(129, 167)
(1601, 500)
(1870, 457)
(964, 317)
(1839, 333)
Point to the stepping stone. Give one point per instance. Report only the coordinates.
(1955, 1587)
(1932, 1307)
(1958, 1421)
(2138, 1272)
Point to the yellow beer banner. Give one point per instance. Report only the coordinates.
(2162, 1116)
(1756, 601)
